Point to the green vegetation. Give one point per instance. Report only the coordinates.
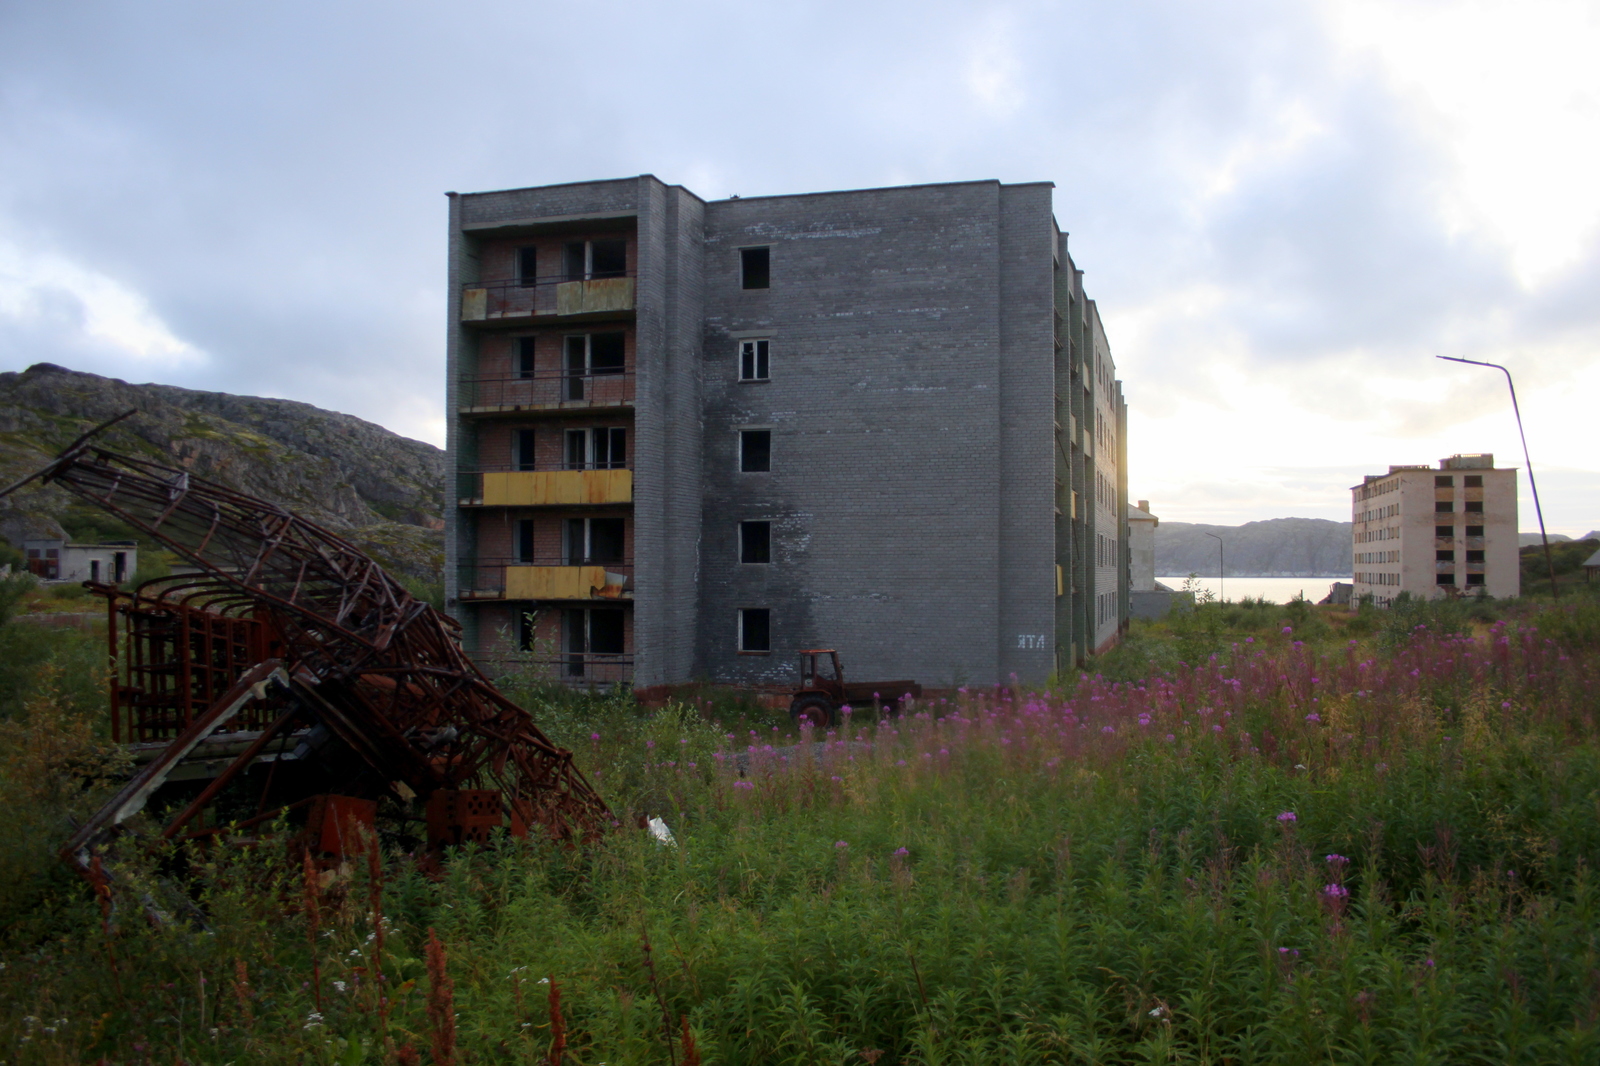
(1256, 834)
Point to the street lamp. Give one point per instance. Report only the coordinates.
(1533, 485)
(1222, 585)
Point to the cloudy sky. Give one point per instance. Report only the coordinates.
(1286, 209)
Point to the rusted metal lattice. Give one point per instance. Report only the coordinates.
(285, 617)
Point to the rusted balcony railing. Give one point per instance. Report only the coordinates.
(507, 487)
(512, 299)
(549, 389)
(553, 578)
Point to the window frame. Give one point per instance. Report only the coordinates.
(759, 351)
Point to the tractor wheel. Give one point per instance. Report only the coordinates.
(818, 710)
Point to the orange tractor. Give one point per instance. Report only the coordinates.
(823, 690)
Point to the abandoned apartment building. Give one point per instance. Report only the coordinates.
(694, 437)
(1436, 532)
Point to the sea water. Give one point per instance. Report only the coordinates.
(1271, 589)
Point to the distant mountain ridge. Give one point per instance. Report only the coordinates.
(1277, 547)
(377, 489)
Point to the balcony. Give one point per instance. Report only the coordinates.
(514, 302)
(544, 488)
(548, 391)
(540, 579)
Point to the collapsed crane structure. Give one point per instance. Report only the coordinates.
(289, 673)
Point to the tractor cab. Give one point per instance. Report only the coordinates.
(821, 688)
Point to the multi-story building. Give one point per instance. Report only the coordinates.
(694, 437)
(1436, 532)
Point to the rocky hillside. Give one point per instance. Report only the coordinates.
(379, 490)
(1278, 547)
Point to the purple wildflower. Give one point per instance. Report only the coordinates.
(1286, 817)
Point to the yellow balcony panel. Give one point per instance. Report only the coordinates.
(557, 583)
(474, 305)
(589, 297)
(536, 488)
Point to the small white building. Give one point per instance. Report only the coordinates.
(57, 560)
(1437, 532)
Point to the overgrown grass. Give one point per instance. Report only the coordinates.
(1283, 851)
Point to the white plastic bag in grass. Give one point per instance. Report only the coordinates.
(659, 830)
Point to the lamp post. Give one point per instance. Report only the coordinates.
(1532, 484)
(1222, 583)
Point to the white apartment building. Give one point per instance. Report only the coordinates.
(1436, 533)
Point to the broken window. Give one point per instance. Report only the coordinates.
(1443, 481)
(605, 448)
(755, 629)
(755, 450)
(1474, 531)
(1443, 506)
(1444, 579)
(527, 266)
(755, 542)
(1474, 579)
(1475, 556)
(1444, 556)
(526, 451)
(524, 540)
(1474, 506)
(1444, 531)
(753, 360)
(594, 541)
(1472, 481)
(755, 268)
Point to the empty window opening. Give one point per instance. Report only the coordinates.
(755, 542)
(604, 448)
(94, 569)
(755, 629)
(591, 541)
(755, 450)
(574, 260)
(524, 540)
(527, 266)
(755, 267)
(1444, 556)
(119, 567)
(593, 355)
(581, 260)
(527, 630)
(1444, 531)
(1472, 481)
(1474, 531)
(1443, 506)
(753, 365)
(1443, 481)
(526, 449)
(1474, 579)
(526, 347)
(1474, 506)
(608, 258)
(1475, 556)
(600, 631)
(1444, 579)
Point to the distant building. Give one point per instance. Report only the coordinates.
(57, 560)
(1147, 597)
(1434, 533)
(691, 437)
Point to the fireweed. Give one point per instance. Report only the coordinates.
(1101, 873)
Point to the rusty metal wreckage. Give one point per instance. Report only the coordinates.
(290, 673)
